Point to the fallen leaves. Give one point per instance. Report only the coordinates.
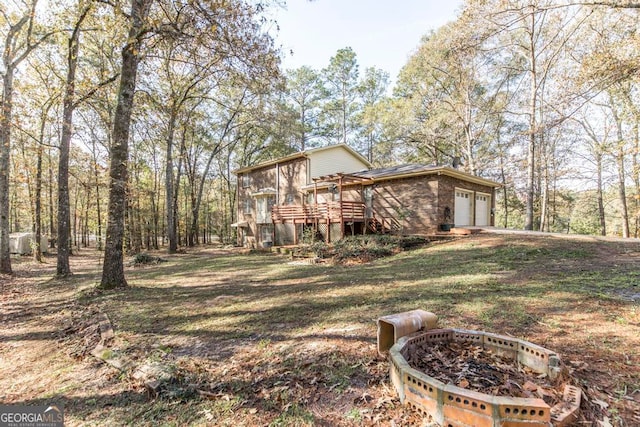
(471, 367)
(601, 403)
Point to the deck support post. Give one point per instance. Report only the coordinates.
(328, 237)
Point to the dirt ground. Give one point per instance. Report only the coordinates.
(236, 338)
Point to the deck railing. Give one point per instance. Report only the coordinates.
(332, 211)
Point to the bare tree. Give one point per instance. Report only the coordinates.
(20, 41)
(64, 220)
(113, 268)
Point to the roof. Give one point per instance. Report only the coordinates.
(301, 154)
(404, 171)
(393, 171)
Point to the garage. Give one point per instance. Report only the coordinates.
(483, 204)
(462, 214)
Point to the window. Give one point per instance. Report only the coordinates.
(263, 209)
(266, 233)
(248, 206)
(246, 180)
(368, 193)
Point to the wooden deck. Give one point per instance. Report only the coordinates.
(351, 217)
(319, 212)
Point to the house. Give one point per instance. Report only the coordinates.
(333, 192)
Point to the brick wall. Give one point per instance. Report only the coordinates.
(418, 203)
(411, 201)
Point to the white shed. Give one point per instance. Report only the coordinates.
(20, 243)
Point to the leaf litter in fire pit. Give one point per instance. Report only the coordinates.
(470, 367)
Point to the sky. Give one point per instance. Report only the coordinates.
(382, 33)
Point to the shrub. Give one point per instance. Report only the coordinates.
(365, 247)
(144, 259)
(320, 249)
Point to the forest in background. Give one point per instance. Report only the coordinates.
(541, 96)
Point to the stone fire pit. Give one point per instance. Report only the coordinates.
(454, 406)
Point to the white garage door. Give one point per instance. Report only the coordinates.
(482, 209)
(462, 214)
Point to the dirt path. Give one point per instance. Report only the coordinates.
(34, 310)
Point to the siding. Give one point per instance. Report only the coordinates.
(333, 160)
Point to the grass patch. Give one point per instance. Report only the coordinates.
(293, 415)
(272, 343)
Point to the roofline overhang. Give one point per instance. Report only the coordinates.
(301, 154)
(264, 193)
(268, 163)
(446, 170)
(441, 170)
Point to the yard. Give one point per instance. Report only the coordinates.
(254, 339)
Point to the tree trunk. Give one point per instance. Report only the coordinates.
(192, 238)
(127, 225)
(634, 116)
(155, 203)
(5, 162)
(169, 187)
(544, 204)
(603, 223)
(14, 52)
(156, 220)
(14, 210)
(37, 250)
(96, 177)
(303, 133)
(64, 217)
(52, 224)
(468, 135)
(135, 237)
(197, 201)
(176, 193)
(74, 226)
(544, 186)
(622, 193)
(29, 186)
(113, 268)
(139, 227)
(133, 220)
(531, 149)
(85, 225)
(636, 174)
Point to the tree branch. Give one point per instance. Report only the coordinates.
(100, 85)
